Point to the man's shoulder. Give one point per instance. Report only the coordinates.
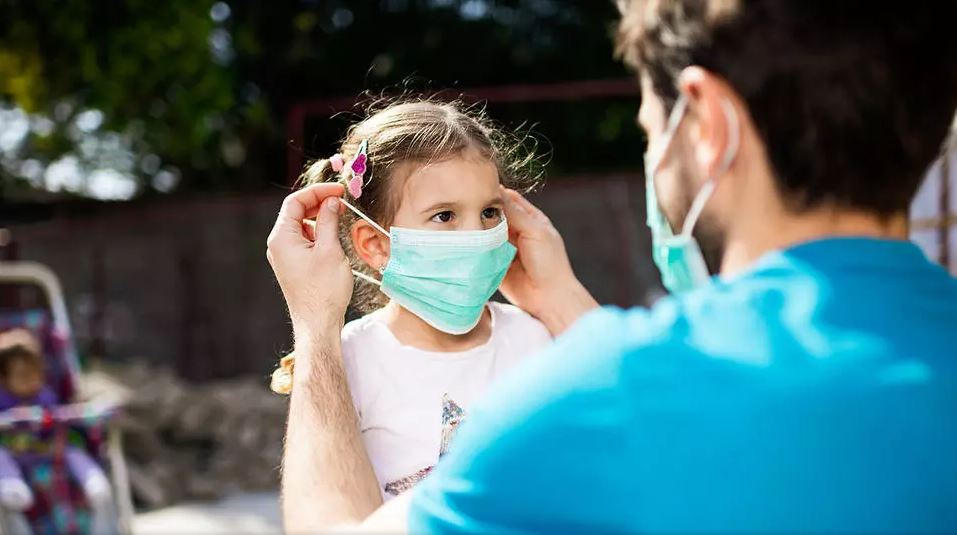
(556, 422)
(609, 334)
(581, 369)
(610, 348)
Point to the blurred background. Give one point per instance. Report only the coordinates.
(145, 148)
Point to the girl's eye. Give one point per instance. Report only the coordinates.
(443, 217)
(491, 213)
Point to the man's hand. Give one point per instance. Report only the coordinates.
(309, 264)
(327, 478)
(540, 280)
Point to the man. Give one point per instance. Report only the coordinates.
(811, 388)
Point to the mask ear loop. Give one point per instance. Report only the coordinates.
(734, 140)
(376, 226)
(366, 218)
(366, 278)
(656, 219)
(674, 121)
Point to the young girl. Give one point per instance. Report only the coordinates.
(430, 342)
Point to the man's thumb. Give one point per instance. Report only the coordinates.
(519, 220)
(327, 223)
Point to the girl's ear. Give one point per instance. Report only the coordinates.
(371, 246)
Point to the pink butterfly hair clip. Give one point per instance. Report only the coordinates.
(358, 168)
(337, 162)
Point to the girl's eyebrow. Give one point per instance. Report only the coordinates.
(438, 205)
(495, 200)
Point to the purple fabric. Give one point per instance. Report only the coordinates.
(7, 400)
(9, 469)
(45, 398)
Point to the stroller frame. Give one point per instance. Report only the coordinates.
(32, 273)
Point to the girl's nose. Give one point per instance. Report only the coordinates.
(474, 222)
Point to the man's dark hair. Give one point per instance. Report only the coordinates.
(852, 98)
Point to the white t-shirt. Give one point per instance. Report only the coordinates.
(410, 401)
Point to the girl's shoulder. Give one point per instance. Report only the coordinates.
(358, 325)
(362, 330)
(364, 342)
(513, 321)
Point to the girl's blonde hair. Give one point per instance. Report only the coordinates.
(419, 131)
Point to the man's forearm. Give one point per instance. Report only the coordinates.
(569, 303)
(327, 478)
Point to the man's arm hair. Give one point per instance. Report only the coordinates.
(327, 478)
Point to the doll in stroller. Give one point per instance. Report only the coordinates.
(22, 385)
(55, 452)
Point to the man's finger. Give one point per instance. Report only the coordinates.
(296, 207)
(327, 223)
(309, 229)
(519, 219)
(521, 201)
(305, 202)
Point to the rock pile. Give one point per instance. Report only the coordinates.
(189, 442)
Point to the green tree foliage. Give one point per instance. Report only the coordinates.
(201, 88)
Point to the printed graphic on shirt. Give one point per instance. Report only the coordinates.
(452, 416)
(403, 484)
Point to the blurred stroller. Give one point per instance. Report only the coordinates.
(53, 436)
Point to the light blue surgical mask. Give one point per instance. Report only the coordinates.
(444, 277)
(679, 257)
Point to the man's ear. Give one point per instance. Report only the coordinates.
(371, 246)
(709, 99)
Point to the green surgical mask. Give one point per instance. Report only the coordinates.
(679, 257)
(444, 277)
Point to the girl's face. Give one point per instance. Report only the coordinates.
(461, 193)
(24, 378)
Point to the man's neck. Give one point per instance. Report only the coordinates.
(788, 229)
(411, 330)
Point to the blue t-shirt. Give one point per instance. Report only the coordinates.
(816, 392)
